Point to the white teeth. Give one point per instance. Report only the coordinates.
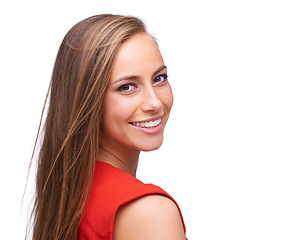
(149, 124)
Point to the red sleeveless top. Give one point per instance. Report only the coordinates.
(111, 189)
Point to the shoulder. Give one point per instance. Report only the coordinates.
(149, 217)
(117, 199)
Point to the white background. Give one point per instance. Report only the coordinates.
(232, 152)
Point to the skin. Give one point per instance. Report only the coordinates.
(138, 91)
(151, 217)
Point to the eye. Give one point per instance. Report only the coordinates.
(126, 87)
(161, 78)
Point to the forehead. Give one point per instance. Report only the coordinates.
(137, 55)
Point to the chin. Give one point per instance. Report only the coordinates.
(150, 147)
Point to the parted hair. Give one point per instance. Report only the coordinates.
(71, 132)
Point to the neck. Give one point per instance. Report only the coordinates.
(123, 158)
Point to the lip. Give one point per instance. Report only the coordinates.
(151, 130)
(150, 119)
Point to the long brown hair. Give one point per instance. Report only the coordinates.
(71, 132)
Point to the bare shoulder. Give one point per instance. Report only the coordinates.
(150, 217)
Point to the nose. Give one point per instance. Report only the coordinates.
(151, 100)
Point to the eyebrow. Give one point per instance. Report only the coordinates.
(135, 77)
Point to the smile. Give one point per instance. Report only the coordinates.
(149, 124)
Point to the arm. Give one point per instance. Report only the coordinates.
(152, 217)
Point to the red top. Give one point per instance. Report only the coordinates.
(111, 189)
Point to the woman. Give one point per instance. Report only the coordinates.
(109, 100)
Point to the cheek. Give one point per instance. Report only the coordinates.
(168, 98)
(117, 109)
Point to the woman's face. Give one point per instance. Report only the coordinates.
(139, 97)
